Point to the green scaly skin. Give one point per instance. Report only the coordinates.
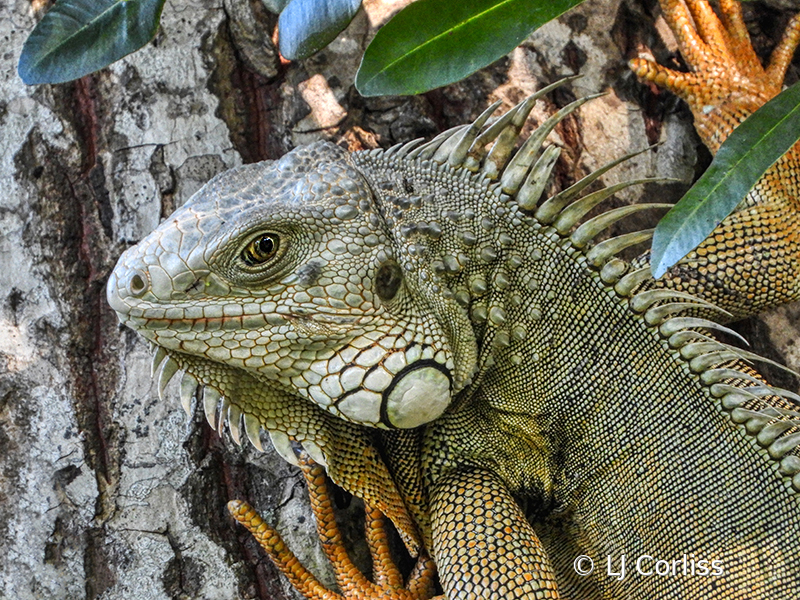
(450, 346)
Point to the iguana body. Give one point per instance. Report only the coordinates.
(449, 347)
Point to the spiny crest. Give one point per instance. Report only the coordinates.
(524, 174)
(468, 147)
(770, 415)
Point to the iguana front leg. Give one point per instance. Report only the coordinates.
(388, 584)
(484, 547)
(752, 259)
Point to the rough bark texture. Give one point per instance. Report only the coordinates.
(108, 492)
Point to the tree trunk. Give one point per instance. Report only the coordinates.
(107, 491)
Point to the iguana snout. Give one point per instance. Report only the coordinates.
(286, 269)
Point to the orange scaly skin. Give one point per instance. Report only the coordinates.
(726, 85)
(388, 583)
(727, 82)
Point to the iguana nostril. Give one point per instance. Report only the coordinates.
(137, 284)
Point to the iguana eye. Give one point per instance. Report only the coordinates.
(260, 250)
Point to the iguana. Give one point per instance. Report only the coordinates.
(451, 347)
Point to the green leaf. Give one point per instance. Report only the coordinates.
(78, 37)
(306, 26)
(743, 158)
(275, 6)
(435, 42)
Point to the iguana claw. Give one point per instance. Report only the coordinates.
(354, 585)
(727, 82)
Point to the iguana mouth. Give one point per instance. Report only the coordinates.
(189, 315)
(207, 323)
(145, 317)
(319, 324)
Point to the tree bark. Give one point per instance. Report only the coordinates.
(107, 491)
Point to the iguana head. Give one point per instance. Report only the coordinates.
(287, 270)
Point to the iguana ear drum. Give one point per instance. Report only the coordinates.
(417, 395)
(388, 280)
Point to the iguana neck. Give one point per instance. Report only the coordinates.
(456, 247)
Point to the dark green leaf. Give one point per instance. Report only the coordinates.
(740, 162)
(275, 6)
(78, 37)
(307, 26)
(435, 42)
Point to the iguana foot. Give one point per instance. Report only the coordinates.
(727, 82)
(354, 585)
(751, 259)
